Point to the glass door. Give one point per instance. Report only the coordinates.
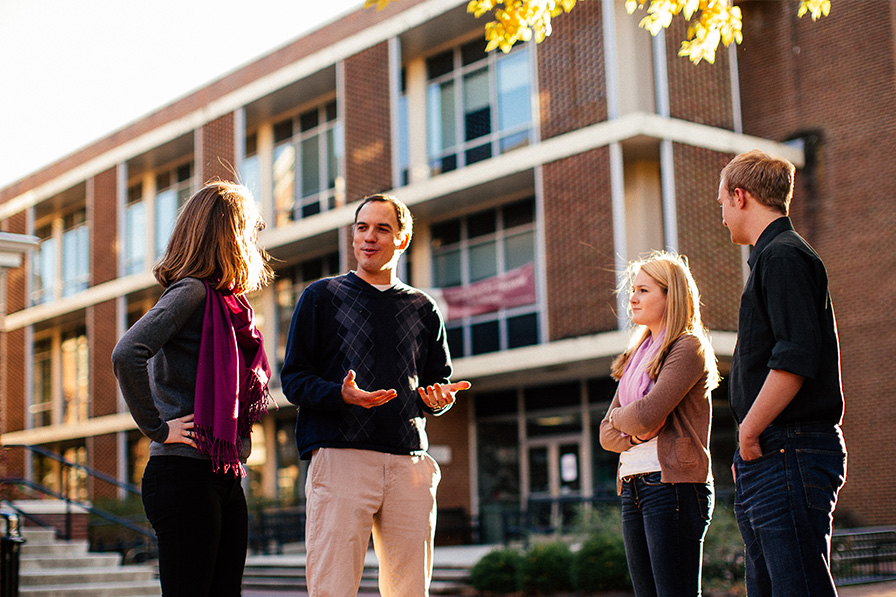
(555, 482)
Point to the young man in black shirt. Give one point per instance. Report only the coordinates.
(784, 388)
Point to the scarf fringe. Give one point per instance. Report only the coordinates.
(225, 455)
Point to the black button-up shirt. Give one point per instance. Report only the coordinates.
(786, 321)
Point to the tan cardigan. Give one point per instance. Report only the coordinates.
(681, 395)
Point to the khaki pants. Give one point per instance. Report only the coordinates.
(351, 493)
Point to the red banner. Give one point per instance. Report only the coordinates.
(511, 289)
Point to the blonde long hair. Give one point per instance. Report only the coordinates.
(214, 239)
(682, 314)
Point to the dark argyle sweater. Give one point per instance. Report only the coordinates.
(392, 339)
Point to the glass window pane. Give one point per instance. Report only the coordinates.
(166, 213)
(310, 150)
(448, 271)
(440, 64)
(404, 142)
(514, 141)
(41, 401)
(445, 233)
(477, 154)
(477, 110)
(250, 174)
(332, 158)
(483, 261)
(284, 181)
(283, 131)
(519, 250)
(456, 341)
(308, 120)
(514, 98)
(135, 240)
(482, 223)
(441, 118)
(486, 337)
(330, 111)
(538, 470)
(498, 460)
(522, 330)
(473, 51)
(519, 213)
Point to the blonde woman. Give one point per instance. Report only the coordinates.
(659, 423)
(194, 374)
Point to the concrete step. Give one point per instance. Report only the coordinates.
(85, 575)
(275, 576)
(120, 589)
(54, 549)
(88, 560)
(38, 536)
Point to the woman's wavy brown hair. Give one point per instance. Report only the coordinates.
(214, 239)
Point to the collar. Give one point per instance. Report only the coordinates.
(782, 224)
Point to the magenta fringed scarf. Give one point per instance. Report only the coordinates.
(232, 379)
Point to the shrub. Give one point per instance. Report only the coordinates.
(545, 569)
(600, 564)
(497, 571)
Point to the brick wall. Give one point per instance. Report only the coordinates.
(835, 77)
(102, 214)
(571, 78)
(579, 245)
(698, 92)
(12, 359)
(218, 155)
(368, 150)
(715, 262)
(450, 429)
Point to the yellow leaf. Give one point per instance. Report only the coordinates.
(816, 8)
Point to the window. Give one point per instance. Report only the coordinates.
(289, 287)
(404, 140)
(478, 104)
(134, 232)
(60, 266)
(75, 253)
(42, 395)
(43, 267)
(74, 377)
(307, 154)
(173, 188)
(484, 265)
(250, 171)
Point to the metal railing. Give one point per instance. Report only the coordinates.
(863, 555)
(136, 543)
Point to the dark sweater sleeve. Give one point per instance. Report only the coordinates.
(130, 358)
(302, 384)
(437, 368)
(683, 367)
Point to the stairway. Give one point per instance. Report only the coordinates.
(54, 568)
(287, 573)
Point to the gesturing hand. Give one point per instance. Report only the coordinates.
(352, 394)
(180, 431)
(439, 396)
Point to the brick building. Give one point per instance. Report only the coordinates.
(534, 176)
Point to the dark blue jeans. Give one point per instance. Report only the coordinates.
(784, 502)
(663, 525)
(201, 521)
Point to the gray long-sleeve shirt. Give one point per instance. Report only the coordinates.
(156, 361)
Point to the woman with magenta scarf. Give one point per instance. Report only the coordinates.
(194, 374)
(659, 423)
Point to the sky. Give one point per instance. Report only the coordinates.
(73, 71)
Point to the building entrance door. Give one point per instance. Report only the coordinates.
(555, 482)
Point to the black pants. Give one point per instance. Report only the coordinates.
(201, 521)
